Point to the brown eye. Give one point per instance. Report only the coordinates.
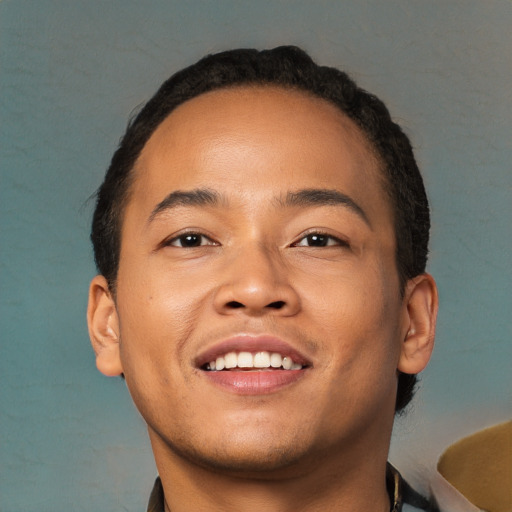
(190, 240)
(319, 240)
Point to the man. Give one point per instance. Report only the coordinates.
(261, 237)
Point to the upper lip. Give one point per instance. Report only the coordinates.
(249, 343)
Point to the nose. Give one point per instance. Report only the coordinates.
(256, 282)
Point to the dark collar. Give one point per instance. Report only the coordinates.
(399, 492)
(156, 500)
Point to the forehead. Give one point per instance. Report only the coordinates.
(253, 137)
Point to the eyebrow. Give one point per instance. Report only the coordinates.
(196, 197)
(324, 197)
(305, 197)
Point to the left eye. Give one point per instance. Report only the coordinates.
(190, 240)
(318, 240)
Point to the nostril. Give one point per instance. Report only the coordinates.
(279, 304)
(234, 304)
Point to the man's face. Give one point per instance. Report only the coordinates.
(280, 240)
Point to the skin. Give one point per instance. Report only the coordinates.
(321, 442)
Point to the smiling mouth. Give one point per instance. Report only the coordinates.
(248, 361)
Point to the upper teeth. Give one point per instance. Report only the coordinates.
(257, 360)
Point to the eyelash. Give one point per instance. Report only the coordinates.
(338, 242)
(322, 236)
(173, 242)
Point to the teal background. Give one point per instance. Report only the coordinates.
(70, 74)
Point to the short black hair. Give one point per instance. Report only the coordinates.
(287, 67)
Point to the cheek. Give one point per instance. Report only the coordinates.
(153, 328)
(157, 314)
(359, 311)
(157, 297)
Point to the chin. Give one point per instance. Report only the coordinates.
(254, 458)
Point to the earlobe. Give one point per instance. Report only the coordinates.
(103, 324)
(421, 302)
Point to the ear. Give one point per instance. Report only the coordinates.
(103, 324)
(421, 301)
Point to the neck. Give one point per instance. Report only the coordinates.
(353, 480)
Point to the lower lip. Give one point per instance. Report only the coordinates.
(254, 382)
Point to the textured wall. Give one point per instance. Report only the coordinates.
(70, 74)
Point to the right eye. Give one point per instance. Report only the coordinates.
(189, 240)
